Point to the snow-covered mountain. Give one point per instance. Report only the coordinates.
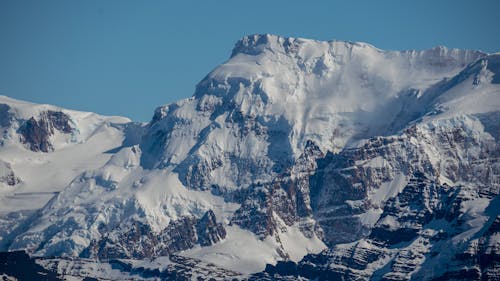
(42, 149)
(330, 160)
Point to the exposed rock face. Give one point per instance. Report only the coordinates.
(208, 230)
(36, 133)
(137, 240)
(482, 257)
(348, 185)
(413, 240)
(415, 225)
(5, 115)
(285, 201)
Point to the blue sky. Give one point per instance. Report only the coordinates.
(127, 57)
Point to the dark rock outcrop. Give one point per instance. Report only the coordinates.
(411, 241)
(22, 267)
(5, 115)
(137, 240)
(208, 230)
(36, 133)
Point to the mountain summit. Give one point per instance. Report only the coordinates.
(330, 160)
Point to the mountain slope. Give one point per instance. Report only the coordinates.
(295, 146)
(43, 148)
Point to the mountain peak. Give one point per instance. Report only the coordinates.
(256, 43)
(250, 44)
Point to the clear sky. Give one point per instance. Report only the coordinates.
(127, 57)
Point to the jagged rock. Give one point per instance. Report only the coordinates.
(137, 240)
(36, 133)
(412, 238)
(208, 230)
(422, 201)
(342, 188)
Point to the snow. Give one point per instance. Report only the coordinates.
(318, 102)
(243, 252)
(370, 217)
(160, 263)
(297, 245)
(333, 93)
(7, 277)
(473, 213)
(389, 222)
(164, 199)
(387, 190)
(240, 251)
(44, 174)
